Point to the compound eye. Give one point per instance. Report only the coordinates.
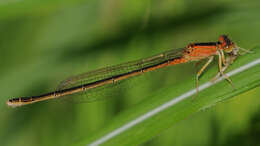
(221, 39)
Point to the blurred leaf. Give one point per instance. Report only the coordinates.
(17, 8)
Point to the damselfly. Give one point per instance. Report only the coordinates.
(224, 49)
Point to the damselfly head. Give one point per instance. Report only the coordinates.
(226, 44)
(231, 48)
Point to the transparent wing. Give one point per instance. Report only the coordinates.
(96, 94)
(111, 71)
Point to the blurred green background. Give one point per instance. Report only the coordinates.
(44, 42)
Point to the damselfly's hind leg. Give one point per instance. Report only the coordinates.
(201, 71)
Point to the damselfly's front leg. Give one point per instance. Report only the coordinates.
(229, 60)
(222, 69)
(223, 57)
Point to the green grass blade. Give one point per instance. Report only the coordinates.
(166, 107)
